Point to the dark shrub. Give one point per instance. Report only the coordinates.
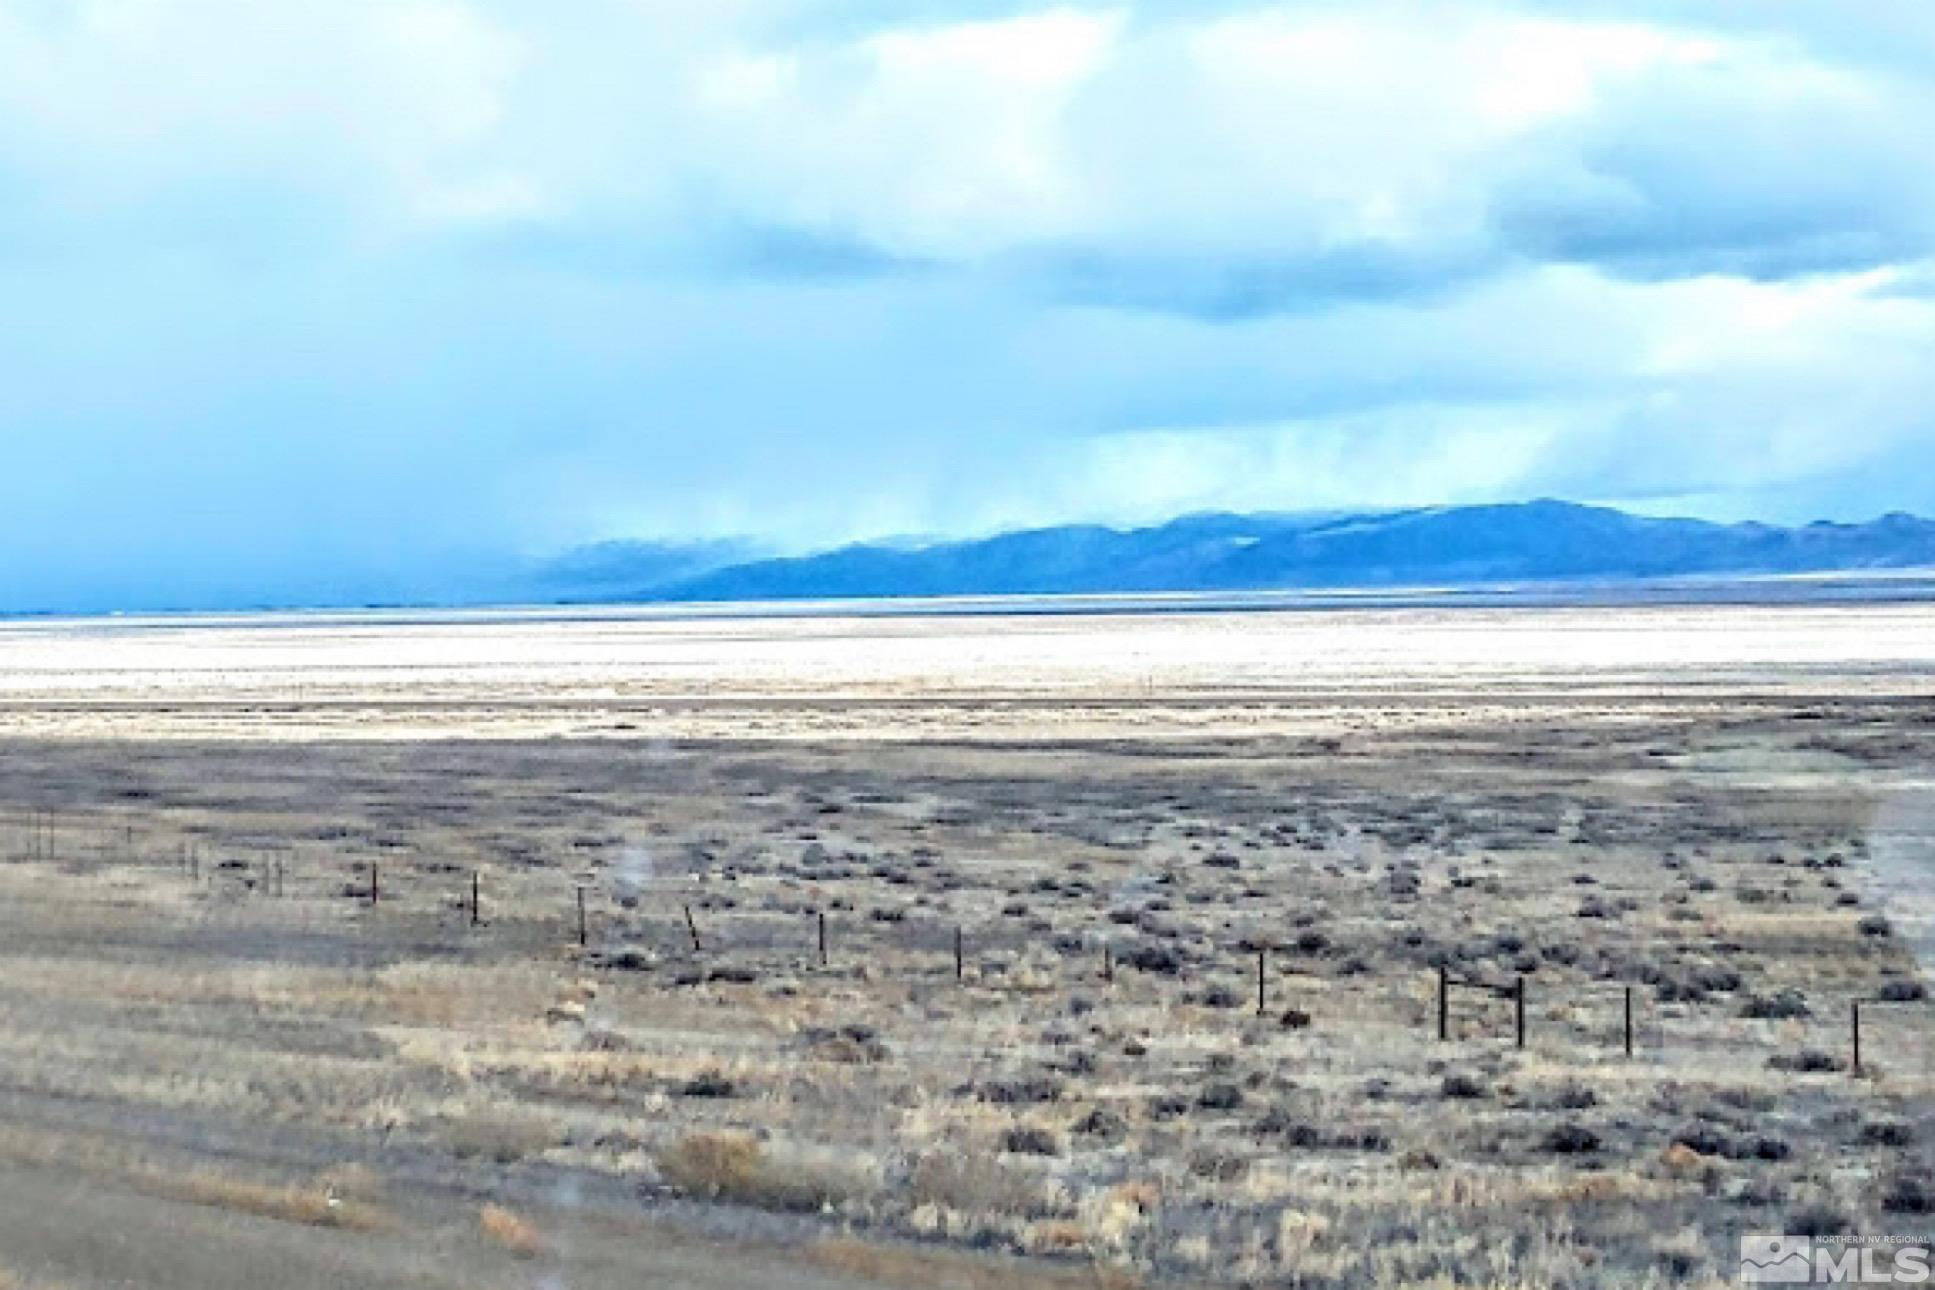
(1817, 1219)
(1220, 1097)
(1809, 1061)
(1022, 1091)
(1717, 979)
(1908, 1194)
(1167, 1106)
(1706, 1140)
(1886, 1133)
(1159, 959)
(1574, 1097)
(1788, 1003)
(1102, 1123)
(1277, 1122)
(1026, 1140)
(708, 1084)
(1571, 1139)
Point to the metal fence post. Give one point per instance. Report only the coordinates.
(1854, 1030)
(1444, 1004)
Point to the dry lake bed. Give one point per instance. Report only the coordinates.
(999, 949)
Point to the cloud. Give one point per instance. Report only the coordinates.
(378, 290)
(1756, 163)
(1286, 157)
(1280, 154)
(381, 113)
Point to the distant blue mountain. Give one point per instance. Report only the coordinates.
(1543, 541)
(621, 571)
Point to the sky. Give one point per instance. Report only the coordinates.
(307, 300)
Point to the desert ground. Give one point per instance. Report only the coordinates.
(619, 949)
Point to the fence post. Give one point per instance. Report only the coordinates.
(375, 884)
(1854, 1028)
(476, 898)
(1108, 963)
(822, 938)
(1262, 991)
(692, 928)
(1518, 1009)
(960, 958)
(1444, 1004)
(1629, 1021)
(584, 929)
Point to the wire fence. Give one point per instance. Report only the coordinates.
(611, 924)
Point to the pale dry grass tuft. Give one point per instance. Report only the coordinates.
(711, 1164)
(510, 1231)
(975, 1183)
(732, 1166)
(315, 1205)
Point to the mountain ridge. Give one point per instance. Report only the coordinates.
(1538, 541)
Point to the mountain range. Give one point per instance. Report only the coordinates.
(1445, 546)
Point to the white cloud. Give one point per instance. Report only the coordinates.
(377, 113)
(930, 141)
(1324, 150)
(1222, 160)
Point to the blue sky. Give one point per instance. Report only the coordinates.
(312, 300)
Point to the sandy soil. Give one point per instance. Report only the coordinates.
(217, 1055)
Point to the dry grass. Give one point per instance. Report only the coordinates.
(498, 1134)
(511, 1232)
(977, 1183)
(732, 1166)
(314, 1205)
(945, 1270)
(348, 1197)
(713, 1164)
